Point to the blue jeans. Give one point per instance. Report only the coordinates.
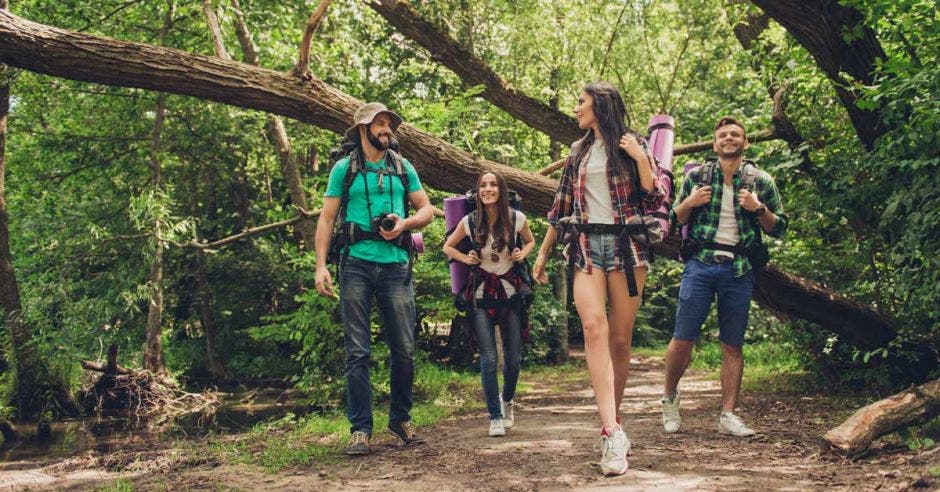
(359, 280)
(484, 328)
(701, 283)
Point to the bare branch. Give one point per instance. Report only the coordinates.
(250, 54)
(214, 31)
(613, 36)
(302, 69)
(549, 169)
(302, 215)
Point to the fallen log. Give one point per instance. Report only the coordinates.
(77, 56)
(910, 407)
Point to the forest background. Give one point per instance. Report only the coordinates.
(111, 194)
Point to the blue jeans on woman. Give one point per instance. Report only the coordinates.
(485, 330)
(359, 280)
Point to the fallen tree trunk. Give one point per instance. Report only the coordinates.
(910, 407)
(77, 56)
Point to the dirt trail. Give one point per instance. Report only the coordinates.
(551, 447)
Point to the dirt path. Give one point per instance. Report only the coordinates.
(551, 447)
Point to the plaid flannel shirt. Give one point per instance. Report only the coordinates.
(705, 218)
(570, 200)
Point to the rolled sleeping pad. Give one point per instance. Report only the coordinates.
(455, 209)
(417, 241)
(662, 136)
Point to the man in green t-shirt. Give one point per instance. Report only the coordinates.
(375, 264)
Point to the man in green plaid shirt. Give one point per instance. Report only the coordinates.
(725, 214)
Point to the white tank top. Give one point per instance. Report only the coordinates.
(727, 222)
(596, 189)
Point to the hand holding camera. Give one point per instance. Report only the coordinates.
(388, 225)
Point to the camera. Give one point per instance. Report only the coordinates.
(384, 222)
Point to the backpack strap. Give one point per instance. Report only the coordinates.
(707, 173)
(748, 175)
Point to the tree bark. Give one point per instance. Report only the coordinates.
(916, 405)
(32, 377)
(204, 291)
(76, 56)
(276, 131)
(450, 53)
(153, 346)
(821, 28)
(748, 33)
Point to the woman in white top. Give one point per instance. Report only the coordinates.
(608, 179)
(495, 284)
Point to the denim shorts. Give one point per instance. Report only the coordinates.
(603, 249)
(701, 283)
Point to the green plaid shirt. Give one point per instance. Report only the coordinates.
(705, 219)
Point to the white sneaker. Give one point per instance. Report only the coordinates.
(497, 428)
(731, 424)
(614, 449)
(671, 418)
(508, 409)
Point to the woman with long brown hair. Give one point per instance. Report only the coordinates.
(608, 182)
(493, 229)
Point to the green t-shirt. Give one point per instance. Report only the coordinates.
(381, 201)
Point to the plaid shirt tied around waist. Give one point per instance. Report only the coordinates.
(571, 201)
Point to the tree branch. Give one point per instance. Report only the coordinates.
(214, 31)
(77, 56)
(473, 71)
(302, 69)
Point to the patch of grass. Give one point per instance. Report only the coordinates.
(656, 351)
(119, 485)
(291, 441)
(767, 365)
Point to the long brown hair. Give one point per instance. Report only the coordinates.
(500, 230)
(610, 113)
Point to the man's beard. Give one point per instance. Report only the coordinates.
(377, 142)
(737, 152)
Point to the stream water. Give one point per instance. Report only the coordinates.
(237, 413)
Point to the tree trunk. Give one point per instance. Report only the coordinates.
(153, 347)
(472, 70)
(32, 382)
(748, 33)
(207, 316)
(916, 405)
(89, 58)
(279, 138)
(821, 27)
(559, 346)
(203, 290)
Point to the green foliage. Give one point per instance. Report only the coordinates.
(84, 212)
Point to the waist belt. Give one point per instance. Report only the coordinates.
(357, 233)
(737, 249)
(610, 228)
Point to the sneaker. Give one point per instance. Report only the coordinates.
(671, 418)
(614, 449)
(405, 431)
(732, 425)
(508, 409)
(497, 428)
(358, 444)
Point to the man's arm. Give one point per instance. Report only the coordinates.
(424, 212)
(328, 213)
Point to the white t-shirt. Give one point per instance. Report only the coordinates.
(727, 221)
(486, 263)
(596, 189)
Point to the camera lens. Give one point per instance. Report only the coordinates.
(388, 223)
